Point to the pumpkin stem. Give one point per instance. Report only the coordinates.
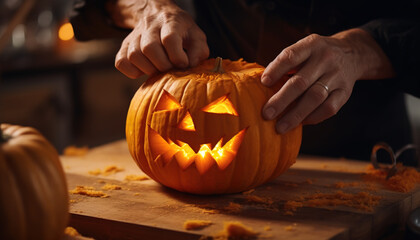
(218, 66)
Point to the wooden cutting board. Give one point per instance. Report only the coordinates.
(147, 210)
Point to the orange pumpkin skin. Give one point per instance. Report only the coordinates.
(261, 155)
(33, 189)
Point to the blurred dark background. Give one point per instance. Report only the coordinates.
(68, 90)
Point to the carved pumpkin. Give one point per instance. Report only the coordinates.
(33, 189)
(201, 130)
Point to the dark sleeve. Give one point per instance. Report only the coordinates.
(400, 40)
(90, 21)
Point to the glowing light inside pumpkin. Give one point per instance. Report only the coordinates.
(184, 155)
(221, 105)
(187, 123)
(167, 103)
(205, 156)
(203, 149)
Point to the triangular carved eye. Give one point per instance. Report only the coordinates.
(187, 123)
(221, 105)
(167, 102)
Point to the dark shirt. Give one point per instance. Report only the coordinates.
(376, 111)
(257, 30)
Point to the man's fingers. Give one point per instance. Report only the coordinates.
(294, 87)
(305, 105)
(196, 46)
(288, 59)
(136, 57)
(329, 108)
(124, 65)
(162, 41)
(173, 43)
(152, 49)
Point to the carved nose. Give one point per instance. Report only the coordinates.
(187, 123)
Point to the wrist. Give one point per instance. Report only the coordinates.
(371, 60)
(124, 12)
(128, 13)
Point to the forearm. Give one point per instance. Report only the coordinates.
(399, 39)
(128, 13)
(90, 21)
(372, 61)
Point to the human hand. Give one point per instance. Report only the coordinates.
(163, 37)
(326, 71)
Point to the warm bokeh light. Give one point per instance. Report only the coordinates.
(65, 32)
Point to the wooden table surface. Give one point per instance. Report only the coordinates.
(147, 210)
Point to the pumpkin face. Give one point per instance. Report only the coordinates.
(202, 132)
(201, 150)
(33, 189)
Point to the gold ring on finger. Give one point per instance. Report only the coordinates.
(324, 86)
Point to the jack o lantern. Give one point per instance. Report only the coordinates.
(201, 130)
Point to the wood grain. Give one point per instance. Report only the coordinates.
(147, 210)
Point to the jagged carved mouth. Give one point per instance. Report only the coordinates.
(185, 156)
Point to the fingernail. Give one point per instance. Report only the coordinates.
(270, 113)
(266, 80)
(282, 127)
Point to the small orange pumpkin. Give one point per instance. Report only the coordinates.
(201, 131)
(33, 189)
